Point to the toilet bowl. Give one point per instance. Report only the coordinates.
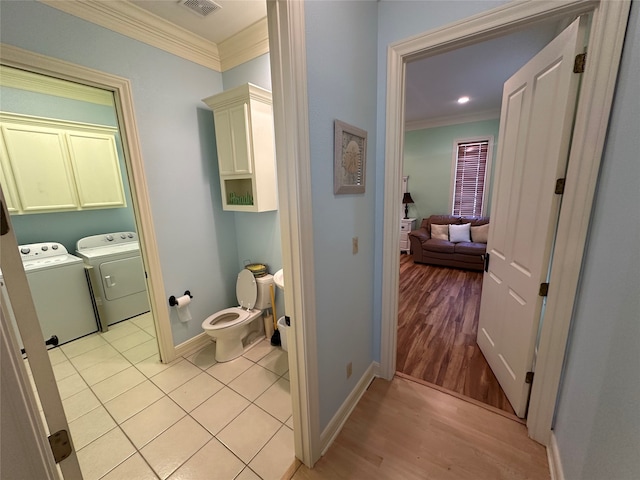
(232, 327)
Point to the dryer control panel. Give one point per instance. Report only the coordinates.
(106, 240)
(32, 251)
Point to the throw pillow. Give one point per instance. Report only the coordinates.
(480, 234)
(440, 232)
(459, 233)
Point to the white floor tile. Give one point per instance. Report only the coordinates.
(176, 375)
(104, 370)
(277, 361)
(63, 370)
(227, 371)
(142, 351)
(56, 356)
(191, 394)
(152, 366)
(132, 340)
(152, 421)
(117, 384)
(247, 474)
(71, 385)
(133, 401)
(104, 454)
(286, 376)
(82, 345)
(93, 357)
(79, 404)
(252, 383)
(249, 432)
(276, 457)
(220, 410)
(276, 400)
(119, 330)
(289, 422)
(171, 449)
(213, 460)
(133, 468)
(151, 331)
(143, 321)
(90, 426)
(260, 350)
(205, 357)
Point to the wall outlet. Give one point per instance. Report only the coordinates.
(355, 245)
(349, 369)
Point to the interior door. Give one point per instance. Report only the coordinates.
(24, 311)
(536, 120)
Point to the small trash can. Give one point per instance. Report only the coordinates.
(284, 333)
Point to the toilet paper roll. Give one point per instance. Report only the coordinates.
(184, 315)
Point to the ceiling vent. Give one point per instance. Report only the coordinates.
(202, 8)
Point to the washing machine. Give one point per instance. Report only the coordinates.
(115, 276)
(59, 291)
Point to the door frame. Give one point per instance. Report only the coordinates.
(606, 38)
(123, 99)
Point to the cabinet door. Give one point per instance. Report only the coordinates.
(224, 142)
(6, 180)
(97, 170)
(240, 128)
(41, 168)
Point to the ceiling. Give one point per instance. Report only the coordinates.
(433, 84)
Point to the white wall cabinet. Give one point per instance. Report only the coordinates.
(49, 165)
(243, 119)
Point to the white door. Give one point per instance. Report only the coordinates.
(24, 310)
(536, 120)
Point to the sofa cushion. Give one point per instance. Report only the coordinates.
(435, 245)
(480, 234)
(460, 233)
(470, 248)
(440, 232)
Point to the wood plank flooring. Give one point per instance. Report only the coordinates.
(437, 326)
(406, 431)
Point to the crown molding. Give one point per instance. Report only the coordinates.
(134, 22)
(246, 45)
(33, 82)
(452, 120)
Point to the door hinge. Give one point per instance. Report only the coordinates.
(579, 63)
(560, 186)
(486, 262)
(60, 445)
(544, 289)
(528, 378)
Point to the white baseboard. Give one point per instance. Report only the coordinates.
(193, 344)
(553, 455)
(335, 425)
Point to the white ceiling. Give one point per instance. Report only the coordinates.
(433, 84)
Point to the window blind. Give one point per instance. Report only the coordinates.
(471, 165)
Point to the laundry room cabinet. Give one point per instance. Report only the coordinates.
(245, 143)
(49, 165)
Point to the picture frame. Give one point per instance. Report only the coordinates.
(350, 159)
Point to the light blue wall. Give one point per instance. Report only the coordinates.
(428, 158)
(258, 234)
(341, 65)
(196, 238)
(598, 422)
(68, 227)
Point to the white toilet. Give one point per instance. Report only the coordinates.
(231, 328)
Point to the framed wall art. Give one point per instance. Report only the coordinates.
(350, 158)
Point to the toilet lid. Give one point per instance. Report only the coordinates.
(246, 289)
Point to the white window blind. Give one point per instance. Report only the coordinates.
(471, 166)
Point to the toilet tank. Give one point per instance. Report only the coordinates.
(263, 297)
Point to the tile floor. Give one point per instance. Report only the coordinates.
(132, 417)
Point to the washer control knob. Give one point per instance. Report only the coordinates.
(110, 238)
(25, 250)
(123, 236)
(44, 248)
(54, 247)
(130, 235)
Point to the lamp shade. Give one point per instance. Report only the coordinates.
(406, 198)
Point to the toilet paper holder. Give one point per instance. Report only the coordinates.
(173, 301)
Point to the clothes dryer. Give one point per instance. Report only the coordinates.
(116, 276)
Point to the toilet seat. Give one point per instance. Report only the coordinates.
(229, 317)
(246, 289)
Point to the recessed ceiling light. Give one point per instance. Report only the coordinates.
(462, 100)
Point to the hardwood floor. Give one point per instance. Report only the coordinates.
(437, 326)
(406, 431)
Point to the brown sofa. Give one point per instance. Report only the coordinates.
(468, 255)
